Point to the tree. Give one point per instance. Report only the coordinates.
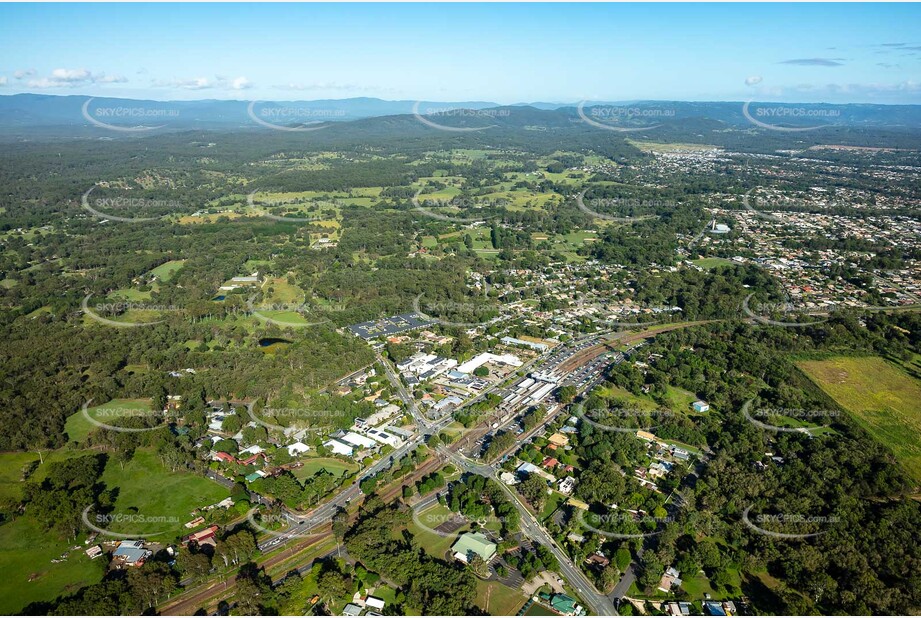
(253, 592)
(567, 394)
(534, 490)
(479, 566)
(195, 565)
(340, 524)
(333, 584)
(232, 424)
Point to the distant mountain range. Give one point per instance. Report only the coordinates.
(23, 113)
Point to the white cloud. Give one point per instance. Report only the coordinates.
(328, 86)
(754, 79)
(69, 78)
(111, 79)
(204, 83)
(3, 81)
(71, 75)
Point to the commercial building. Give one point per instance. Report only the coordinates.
(472, 544)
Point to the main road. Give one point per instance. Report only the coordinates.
(530, 527)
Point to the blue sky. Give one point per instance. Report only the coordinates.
(507, 53)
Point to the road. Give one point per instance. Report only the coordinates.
(303, 523)
(323, 513)
(531, 528)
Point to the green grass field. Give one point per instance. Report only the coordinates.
(497, 599)
(697, 585)
(679, 399)
(78, 426)
(710, 263)
(284, 318)
(164, 272)
(26, 551)
(11, 466)
(149, 490)
(880, 397)
(129, 294)
(435, 544)
(282, 292)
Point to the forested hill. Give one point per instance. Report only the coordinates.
(714, 123)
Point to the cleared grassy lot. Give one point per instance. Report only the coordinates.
(435, 544)
(145, 487)
(164, 272)
(157, 499)
(497, 599)
(26, 551)
(78, 426)
(881, 398)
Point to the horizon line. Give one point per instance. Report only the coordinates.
(483, 101)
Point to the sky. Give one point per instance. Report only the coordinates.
(505, 53)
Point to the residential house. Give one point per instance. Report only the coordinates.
(669, 580)
(130, 553)
(567, 485)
